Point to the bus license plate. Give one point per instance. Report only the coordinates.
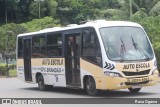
(136, 80)
(136, 86)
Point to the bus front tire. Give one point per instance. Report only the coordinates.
(91, 86)
(136, 90)
(41, 84)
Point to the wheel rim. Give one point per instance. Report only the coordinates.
(90, 86)
(40, 82)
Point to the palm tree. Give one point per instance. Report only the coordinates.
(150, 6)
(155, 8)
(132, 6)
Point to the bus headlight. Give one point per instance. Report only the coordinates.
(112, 74)
(155, 71)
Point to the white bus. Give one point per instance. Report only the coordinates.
(96, 55)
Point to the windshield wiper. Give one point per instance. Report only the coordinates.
(137, 47)
(122, 49)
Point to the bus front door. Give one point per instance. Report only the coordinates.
(27, 59)
(72, 59)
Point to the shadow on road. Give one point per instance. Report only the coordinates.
(126, 93)
(103, 94)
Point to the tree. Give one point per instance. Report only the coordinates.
(150, 6)
(69, 11)
(10, 8)
(46, 22)
(15, 29)
(23, 10)
(155, 9)
(34, 10)
(47, 8)
(51, 6)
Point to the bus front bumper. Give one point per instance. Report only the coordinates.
(115, 83)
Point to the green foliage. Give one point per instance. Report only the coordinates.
(151, 25)
(12, 72)
(38, 24)
(157, 53)
(46, 8)
(51, 6)
(34, 11)
(155, 9)
(3, 69)
(8, 33)
(114, 14)
(139, 15)
(25, 13)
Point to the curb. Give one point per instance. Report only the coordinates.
(7, 77)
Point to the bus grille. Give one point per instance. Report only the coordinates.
(145, 72)
(145, 82)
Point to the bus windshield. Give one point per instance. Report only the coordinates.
(126, 43)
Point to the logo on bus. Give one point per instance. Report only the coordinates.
(52, 62)
(136, 66)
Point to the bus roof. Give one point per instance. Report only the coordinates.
(95, 23)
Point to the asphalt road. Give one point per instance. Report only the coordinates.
(15, 88)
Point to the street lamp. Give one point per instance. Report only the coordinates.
(39, 7)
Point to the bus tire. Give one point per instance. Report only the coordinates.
(41, 84)
(136, 90)
(90, 86)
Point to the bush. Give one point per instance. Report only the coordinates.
(3, 68)
(151, 25)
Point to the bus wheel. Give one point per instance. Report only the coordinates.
(41, 84)
(136, 90)
(91, 86)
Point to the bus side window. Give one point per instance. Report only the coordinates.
(38, 48)
(20, 48)
(54, 45)
(90, 47)
(97, 51)
(88, 43)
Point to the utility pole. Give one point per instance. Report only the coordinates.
(39, 9)
(130, 8)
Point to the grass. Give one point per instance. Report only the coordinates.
(12, 73)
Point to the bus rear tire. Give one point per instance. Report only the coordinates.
(41, 84)
(90, 86)
(136, 90)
